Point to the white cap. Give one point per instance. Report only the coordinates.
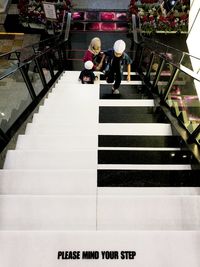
(119, 46)
(88, 65)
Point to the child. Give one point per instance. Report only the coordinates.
(94, 54)
(117, 58)
(87, 75)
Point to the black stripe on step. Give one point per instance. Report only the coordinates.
(147, 178)
(126, 92)
(127, 115)
(137, 141)
(143, 157)
(134, 77)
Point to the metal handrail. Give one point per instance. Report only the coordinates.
(189, 137)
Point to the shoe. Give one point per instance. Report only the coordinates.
(116, 92)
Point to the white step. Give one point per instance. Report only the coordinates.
(182, 167)
(42, 126)
(68, 110)
(73, 76)
(48, 182)
(36, 159)
(75, 98)
(67, 129)
(135, 129)
(132, 82)
(148, 212)
(71, 90)
(63, 82)
(153, 248)
(72, 117)
(126, 102)
(74, 81)
(22, 212)
(59, 142)
(148, 191)
(67, 104)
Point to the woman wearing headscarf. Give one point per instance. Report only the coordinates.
(94, 54)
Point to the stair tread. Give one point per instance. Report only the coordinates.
(127, 91)
(71, 212)
(138, 141)
(127, 102)
(148, 212)
(128, 115)
(43, 159)
(148, 178)
(143, 157)
(148, 191)
(60, 126)
(48, 181)
(46, 212)
(40, 142)
(68, 117)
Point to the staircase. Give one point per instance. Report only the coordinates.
(96, 180)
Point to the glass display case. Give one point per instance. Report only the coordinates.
(99, 21)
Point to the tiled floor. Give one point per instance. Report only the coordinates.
(13, 42)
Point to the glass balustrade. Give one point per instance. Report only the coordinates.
(14, 99)
(173, 77)
(25, 77)
(184, 100)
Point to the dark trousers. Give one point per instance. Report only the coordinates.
(114, 77)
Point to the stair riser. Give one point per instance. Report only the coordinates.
(113, 213)
(48, 182)
(60, 142)
(41, 248)
(48, 213)
(75, 159)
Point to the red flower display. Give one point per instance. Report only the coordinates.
(152, 20)
(33, 12)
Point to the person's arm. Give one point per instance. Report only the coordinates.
(101, 63)
(128, 72)
(128, 62)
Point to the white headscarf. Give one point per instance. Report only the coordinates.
(95, 46)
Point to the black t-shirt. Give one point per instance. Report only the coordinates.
(116, 64)
(87, 76)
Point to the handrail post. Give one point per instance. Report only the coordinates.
(28, 82)
(173, 77)
(158, 73)
(135, 28)
(42, 77)
(68, 23)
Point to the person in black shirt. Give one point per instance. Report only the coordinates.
(87, 75)
(115, 59)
